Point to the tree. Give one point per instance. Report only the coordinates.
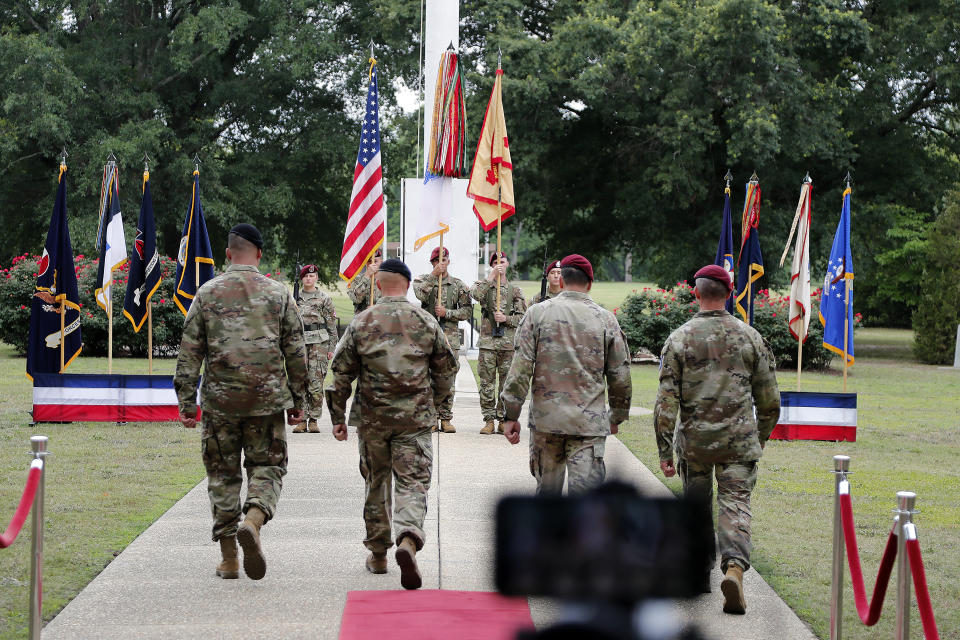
(938, 312)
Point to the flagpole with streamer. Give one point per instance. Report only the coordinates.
(800, 272)
(499, 201)
(196, 263)
(63, 307)
(112, 163)
(143, 188)
(848, 287)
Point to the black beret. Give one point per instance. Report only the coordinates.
(395, 265)
(248, 232)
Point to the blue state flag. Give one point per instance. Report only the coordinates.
(725, 246)
(195, 258)
(751, 259)
(835, 290)
(56, 290)
(145, 270)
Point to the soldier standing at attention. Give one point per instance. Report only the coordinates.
(719, 375)
(320, 334)
(407, 368)
(244, 329)
(551, 272)
(455, 305)
(359, 291)
(577, 355)
(497, 327)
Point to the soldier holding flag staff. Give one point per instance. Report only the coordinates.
(320, 334)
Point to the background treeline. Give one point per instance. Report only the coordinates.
(624, 117)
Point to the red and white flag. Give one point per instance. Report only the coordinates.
(365, 222)
(799, 313)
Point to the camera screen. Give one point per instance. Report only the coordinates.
(601, 546)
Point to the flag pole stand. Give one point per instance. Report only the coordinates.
(63, 333)
(846, 328)
(150, 337)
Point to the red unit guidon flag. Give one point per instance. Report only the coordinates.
(103, 398)
(816, 416)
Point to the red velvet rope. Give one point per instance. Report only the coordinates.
(868, 614)
(923, 595)
(26, 501)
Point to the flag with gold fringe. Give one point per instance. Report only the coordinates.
(491, 180)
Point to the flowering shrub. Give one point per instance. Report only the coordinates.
(649, 316)
(17, 284)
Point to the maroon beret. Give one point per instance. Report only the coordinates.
(715, 272)
(577, 261)
(495, 257)
(378, 253)
(550, 266)
(308, 268)
(435, 254)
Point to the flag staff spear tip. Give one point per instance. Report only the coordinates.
(112, 158)
(728, 178)
(146, 162)
(848, 179)
(499, 57)
(63, 156)
(807, 179)
(754, 177)
(196, 162)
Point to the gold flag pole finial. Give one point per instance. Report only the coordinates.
(728, 178)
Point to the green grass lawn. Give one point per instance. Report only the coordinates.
(105, 485)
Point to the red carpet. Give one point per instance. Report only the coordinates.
(430, 613)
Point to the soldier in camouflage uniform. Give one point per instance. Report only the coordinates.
(359, 291)
(551, 271)
(404, 365)
(497, 327)
(719, 375)
(455, 306)
(577, 355)
(243, 328)
(320, 333)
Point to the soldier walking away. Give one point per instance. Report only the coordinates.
(407, 368)
(497, 328)
(576, 354)
(245, 328)
(359, 291)
(719, 375)
(320, 334)
(450, 308)
(551, 272)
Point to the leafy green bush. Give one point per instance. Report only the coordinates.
(17, 284)
(938, 312)
(649, 316)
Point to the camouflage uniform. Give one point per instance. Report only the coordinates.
(404, 366)
(577, 356)
(244, 329)
(459, 306)
(359, 293)
(495, 353)
(715, 370)
(320, 334)
(549, 296)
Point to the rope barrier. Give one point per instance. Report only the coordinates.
(869, 614)
(920, 585)
(23, 509)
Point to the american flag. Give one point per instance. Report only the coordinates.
(365, 222)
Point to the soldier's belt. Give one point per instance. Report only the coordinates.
(311, 327)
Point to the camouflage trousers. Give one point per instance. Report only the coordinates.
(263, 442)
(316, 371)
(491, 364)
(445, 409)
(735, 482)
(396, 467)
(580, 458)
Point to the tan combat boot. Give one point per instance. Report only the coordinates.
(313, 426)
(377, 562)
(732, 588)
(499, 427)
(407, 559)
(435, 429)
(248, 535)
(300, 428)
(446, 427)
(229, 567)
(488, 428)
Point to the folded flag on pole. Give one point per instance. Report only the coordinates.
(56, 286)
(436, 201)
(799, 312)
(492, 175)
(111, 246)
(751, 260)
(367, 215)
(144, 263)
(725, 246)
(836, 310)
(195, 257)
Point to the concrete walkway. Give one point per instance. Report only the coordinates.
(163, 584)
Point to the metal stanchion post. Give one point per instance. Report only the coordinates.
(38, 446)
(841, 467)
(905, 503)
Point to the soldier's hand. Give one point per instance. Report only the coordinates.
(499, 316)
(668, 469)
(614, 429)
(441, 311)
(373, 267)
(294, 416)
(511, 430)
(438, 269)
(329, 355)
(189, 421)
(340, 432)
